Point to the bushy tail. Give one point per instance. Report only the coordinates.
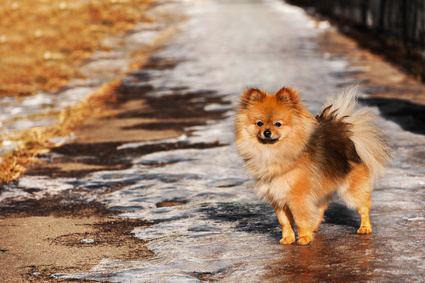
(371, 144)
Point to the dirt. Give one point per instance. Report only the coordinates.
(43, 237)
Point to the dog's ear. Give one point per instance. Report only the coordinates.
(252, 95)
(289, 96)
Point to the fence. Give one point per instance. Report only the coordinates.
(400, 20)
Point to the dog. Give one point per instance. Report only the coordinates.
(299, 160)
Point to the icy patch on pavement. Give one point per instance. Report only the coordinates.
(36, 187)
(191, 177)
(221, 230)
(402, 178)
(215, 132)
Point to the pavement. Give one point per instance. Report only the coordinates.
(168, 157)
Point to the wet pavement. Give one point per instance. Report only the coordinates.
(214, 228)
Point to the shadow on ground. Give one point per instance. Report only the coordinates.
(410, 116)
(261, 218)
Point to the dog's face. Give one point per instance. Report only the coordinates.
(270, 121)
(269, 117)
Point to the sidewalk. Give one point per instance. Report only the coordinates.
(167, 156)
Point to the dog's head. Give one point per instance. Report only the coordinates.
(270, 117)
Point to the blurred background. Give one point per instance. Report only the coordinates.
(43, 46)
(395, 28)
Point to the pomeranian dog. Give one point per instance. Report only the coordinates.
(299, 160)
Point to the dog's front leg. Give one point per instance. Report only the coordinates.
(286, 221)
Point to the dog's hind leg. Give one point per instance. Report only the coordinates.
(365, 226)
(357, 195)
(322, 209)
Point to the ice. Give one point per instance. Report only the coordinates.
(87, 241)
(36, 187)
(221, 220)
(38, 100)
(221, 229)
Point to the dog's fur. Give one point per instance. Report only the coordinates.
(300, 160)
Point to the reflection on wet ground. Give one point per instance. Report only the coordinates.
(326, 261)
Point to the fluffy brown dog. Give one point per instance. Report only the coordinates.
(300, 160)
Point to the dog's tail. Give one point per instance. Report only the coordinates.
(370, 143)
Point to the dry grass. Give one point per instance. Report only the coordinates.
(42, 42)
(42, 45)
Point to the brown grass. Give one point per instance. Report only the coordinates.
(43, 41)
(42, 45)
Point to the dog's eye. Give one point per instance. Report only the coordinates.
(259, 123)
(277, 124)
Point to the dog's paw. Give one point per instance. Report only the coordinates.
(287, 240)
(304, 240)
(364, 230)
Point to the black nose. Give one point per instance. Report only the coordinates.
(267, 133)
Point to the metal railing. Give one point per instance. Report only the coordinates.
(400, 20)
